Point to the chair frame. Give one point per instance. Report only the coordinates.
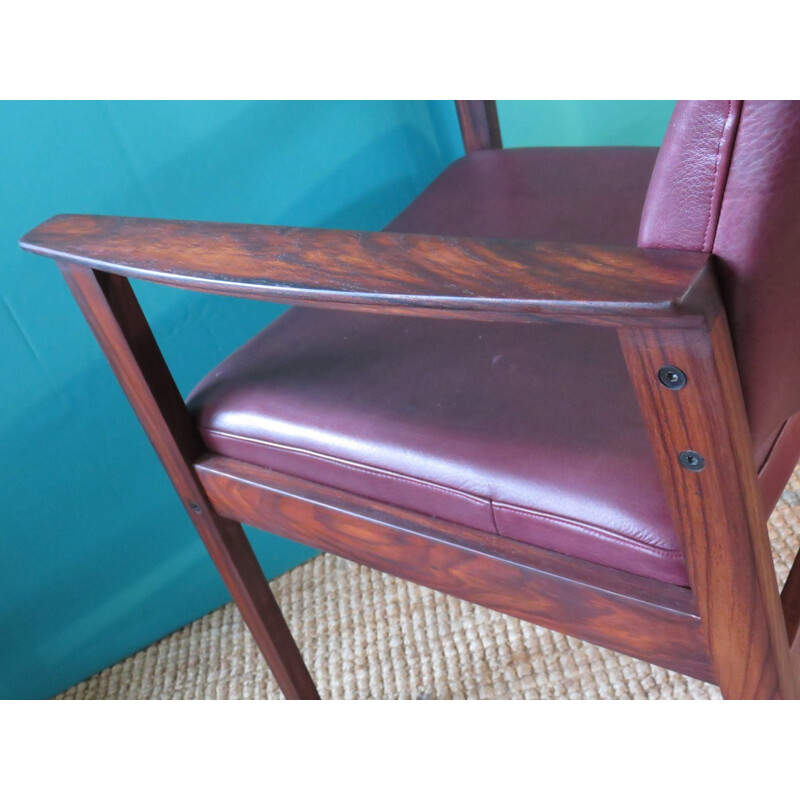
(730, 627)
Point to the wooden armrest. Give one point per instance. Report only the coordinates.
(401, 273)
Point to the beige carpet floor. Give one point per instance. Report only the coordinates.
(367, 635)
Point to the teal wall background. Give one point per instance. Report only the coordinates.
(97, 557)
(574, 123)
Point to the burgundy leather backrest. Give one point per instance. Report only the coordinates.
(727, 181)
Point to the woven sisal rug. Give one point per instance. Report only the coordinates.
(367, 635)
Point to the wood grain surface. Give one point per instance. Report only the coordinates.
(716, 510)
(634, 615)
(114, 314)
(398, 273)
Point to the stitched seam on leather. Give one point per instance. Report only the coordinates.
(367, 470)
(599, 533)
(481, 501)
(712, 194)
(494, 517)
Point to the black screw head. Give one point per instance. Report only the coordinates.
(691, 460)
(196, 508)
(672, 377)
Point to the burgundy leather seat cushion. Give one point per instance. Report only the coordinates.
(528, 431)
(523, 430)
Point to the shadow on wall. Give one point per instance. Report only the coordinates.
(98, 557)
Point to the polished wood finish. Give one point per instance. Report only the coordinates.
(717, 511)
(634, 615)
(391, 272)
(730, 626)
(112, 311)
(480, 126)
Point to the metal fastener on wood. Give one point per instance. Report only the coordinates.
(672, 377)
(691, 460)
(196, 508)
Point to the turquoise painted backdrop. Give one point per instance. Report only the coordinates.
(97, 557)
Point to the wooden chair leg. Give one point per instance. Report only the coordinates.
(234, 558)
(117, 321)
(701, 442)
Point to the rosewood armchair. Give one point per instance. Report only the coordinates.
(607, 472)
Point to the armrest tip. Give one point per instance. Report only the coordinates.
(41, 238)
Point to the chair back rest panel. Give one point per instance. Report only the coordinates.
(727, 181)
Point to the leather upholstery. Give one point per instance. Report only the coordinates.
(727, 181)
(522, 430)
(591, 195)
(685, 194)
(532, 431)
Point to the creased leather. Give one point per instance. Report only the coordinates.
(682, 207)
(727, 180)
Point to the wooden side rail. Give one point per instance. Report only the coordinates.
(397, 273)
(639, 616)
